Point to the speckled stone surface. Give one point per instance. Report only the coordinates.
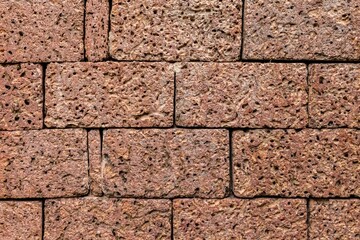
(109, 94)
(102, 218)
(318, 163)
(335, 219)
(297, 29)
(241, 95)
(94, 141)
(20, 220)
(163, 163)
(97, 26)
(46, 163)
(41, 30)
(334, 95)
(175, 30)
(21, 97)
(240, 219)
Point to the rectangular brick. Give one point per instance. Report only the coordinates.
(310, 162)
(176, 30)
(297, 29)
(103, 218)
(20, 220)
(46, 163)
(41, 30)
(241, 95)
(335, 219)
(21, 97)
(334, 95)
(240, 219)
(109, 94)
(163, 163)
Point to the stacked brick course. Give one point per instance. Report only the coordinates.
(199, 119)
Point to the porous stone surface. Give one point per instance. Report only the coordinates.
(176, 30)
(41, 30)
(97, 27)
(335, 219)
(310, 162)
(21, 97)
(163, 163)
(109, 94)
(103, 218)
(94, 141)
(240, 219)
(241, 95)
(297, 29)
(46, 163)
(334, 96)
(20, 220)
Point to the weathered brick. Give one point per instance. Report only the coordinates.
(103, 218)
(310, 162)
(97, 26)
(94, 140)
(240, 219)
(297, 29)
(41, 30)
(241, 95)
(163, 163)
(46, 163)
(334, 99)
(176, 30)
(21, 97)
(335, 219)
(20, 220)
(109, 94)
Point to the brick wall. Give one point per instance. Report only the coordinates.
(199, 119)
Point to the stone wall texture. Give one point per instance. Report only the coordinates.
(179, 119)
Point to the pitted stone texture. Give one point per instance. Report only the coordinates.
(45, 163)
(310, 162)
(41, 30)
(335, 219)
(21, 97)
(20, 220)
(109, 94)
(240, 219)
(241, 95)
(94, 140)
(164, 163)
(334, 95)
(97, 26)
(175, 30)
(297, 29)
(103, 218)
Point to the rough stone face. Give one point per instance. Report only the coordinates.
(46, 163)
(241, 95)
(163, 163)
(334, 95)
(41, 30)
(94, 140)
(109, 94)
(175, 30)
(103, 218)
(97, 26)
(240, 219)
(297, 29)
(335, 219)
(21, 97)
(319, 163)
(20, 220)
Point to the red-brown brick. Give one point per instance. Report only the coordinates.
(45, 163)
(109, 94)
(94, 141)
(241, 95)
(310, 162)
(240, 219)
(21, 97)
(163, 163)
(103, 218)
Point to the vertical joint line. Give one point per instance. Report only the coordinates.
(174, 101)
(42, 219)
(231, 180)
(308, 94)
(308, 218)
(84, 31)
(242, 30)
(44, 66)
(172, 220)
